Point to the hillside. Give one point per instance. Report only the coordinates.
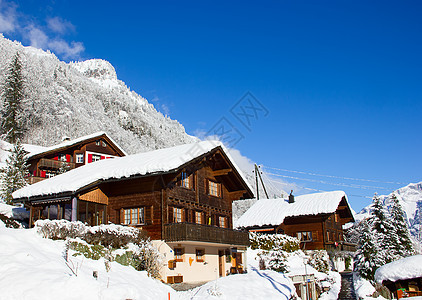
(410, 198)
(76, 99)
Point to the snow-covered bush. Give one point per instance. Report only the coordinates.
(112, 235)
(274, 241)
(9, 222)
(319, 259)
(125, 245)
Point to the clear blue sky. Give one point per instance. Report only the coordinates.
(341, 80)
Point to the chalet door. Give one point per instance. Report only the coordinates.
(221, 263)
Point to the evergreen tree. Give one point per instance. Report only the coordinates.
(384, 230)
(402, 245)
(13, 176)
(367, 259)
(13, 96)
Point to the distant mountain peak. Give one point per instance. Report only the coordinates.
(96, 68)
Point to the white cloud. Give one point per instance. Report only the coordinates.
(72, 50)
(36, 37)
(47, 37)
(7, 17)
(59, 25)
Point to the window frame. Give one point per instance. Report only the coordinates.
(301, 234)
(79, 156)
(214, 186)
(177, 212)
(201, 257)
(178, 257)
(186, 181)
(224, 223)
(134, 212)
(96, 157)
(201, 217)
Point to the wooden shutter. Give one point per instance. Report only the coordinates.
(122, 216)
(170, 220)
(148, 215)
(89, 158)
(183, 215)
(315, 235)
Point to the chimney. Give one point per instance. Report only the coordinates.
(291, 197)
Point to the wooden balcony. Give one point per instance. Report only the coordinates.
(179, 232)
(34, 179)
(51, 164)
(342, 246)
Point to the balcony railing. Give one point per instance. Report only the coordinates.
(34, 179)
(341, 246)
(52, 164)
(179, 232)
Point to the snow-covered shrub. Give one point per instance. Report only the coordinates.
(319, 259)
(274, 249)
(274, 241)
(9, 222)
(112, 235)
(125, 245)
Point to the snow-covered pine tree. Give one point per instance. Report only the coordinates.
(402, 245)
(384, 229)
(367, 259)
(13, 176)
(13, 96)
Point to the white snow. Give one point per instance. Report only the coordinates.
(273, 211)
(405, 268)
(32, 267)
(363, 288)
(162, 160)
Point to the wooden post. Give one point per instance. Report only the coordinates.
(31, 212)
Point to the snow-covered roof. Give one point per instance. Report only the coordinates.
(273, 211)
(405, 268)
(66, 144)
(162, 160)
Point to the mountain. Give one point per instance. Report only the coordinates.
(76, 99)
(410, 198)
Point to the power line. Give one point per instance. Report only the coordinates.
(331, 183)
(333, 176)
(311, 189)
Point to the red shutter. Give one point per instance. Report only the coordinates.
(68, 157)
(89, 158)
(103, 157)
(42, 174)
(35, 172)
(56, 158)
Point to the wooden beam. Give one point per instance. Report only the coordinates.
(222, 172)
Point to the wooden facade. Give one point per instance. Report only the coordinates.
(71, 155)
(320, 231)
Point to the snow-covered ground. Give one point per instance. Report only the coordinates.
(32, 267)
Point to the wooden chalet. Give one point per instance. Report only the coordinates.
(402, 277)
(182, 197)
(70, 154)
(315, 219)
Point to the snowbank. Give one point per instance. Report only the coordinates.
(255, 284)
(33, 268)
(405, 268)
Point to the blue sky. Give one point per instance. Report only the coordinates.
(341, 80)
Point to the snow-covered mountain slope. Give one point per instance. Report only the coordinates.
(410, 198)
(80, 98)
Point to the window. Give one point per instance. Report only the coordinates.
(98, 142)
(79, 158)
(336, 218)
(96, 157)
(304, 236)
(49, 174)
(134, 216)
(177, 215)
(200, 255)
(186, 180)
(228, 256)
(222, 221)
(178, 254)
(103, 144)
(213, 188)
(199, 218)
(328, 236)
(62, 157)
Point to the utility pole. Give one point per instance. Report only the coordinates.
(262, 181)
(256, 181)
